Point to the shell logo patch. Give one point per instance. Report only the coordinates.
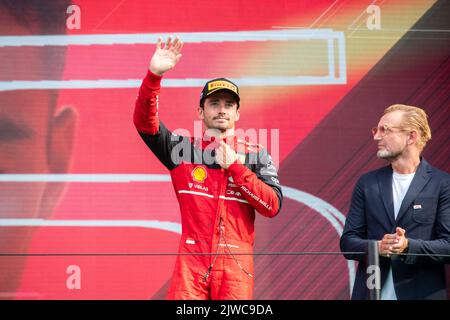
(199, 174)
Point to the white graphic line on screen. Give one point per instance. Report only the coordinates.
(196, 37)
(152, 224)
(93, 178)
(168, 83)
(323, 13)
(331, 67)
(149, 38)
(292, 193)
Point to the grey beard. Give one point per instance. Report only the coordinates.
(388, 155)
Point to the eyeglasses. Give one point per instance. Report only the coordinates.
(384, 130)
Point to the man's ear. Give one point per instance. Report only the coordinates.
(412, 138)
(201, 113)
(238, 115)
(59, 155)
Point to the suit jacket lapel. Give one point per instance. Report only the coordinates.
(385, 185)
(419, 181)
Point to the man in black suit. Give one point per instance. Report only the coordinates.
(406, 207)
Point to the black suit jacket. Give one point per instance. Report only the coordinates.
(424, 214)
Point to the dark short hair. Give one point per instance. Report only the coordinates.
(41, 17)
(38, 16)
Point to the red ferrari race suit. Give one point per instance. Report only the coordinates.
(217, 206)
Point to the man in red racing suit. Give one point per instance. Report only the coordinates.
(219, 183)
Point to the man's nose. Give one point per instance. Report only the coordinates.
(377, 136)
(222, 108)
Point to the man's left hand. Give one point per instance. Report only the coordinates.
(225, 155)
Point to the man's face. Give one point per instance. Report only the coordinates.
(24, 122)
(391, 136)
(220, 111)
(32, 141)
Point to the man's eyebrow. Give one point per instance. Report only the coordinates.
(11, 129)
(226, 99)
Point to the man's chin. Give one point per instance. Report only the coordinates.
(386, 155)
(221, 128)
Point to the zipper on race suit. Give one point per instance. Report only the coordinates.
(221, 228)
(218, 219)
(227, 247)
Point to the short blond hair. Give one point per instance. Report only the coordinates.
(416, 119)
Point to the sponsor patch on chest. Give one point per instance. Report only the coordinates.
(197, 186)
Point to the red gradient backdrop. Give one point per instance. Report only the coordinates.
(324, 138)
